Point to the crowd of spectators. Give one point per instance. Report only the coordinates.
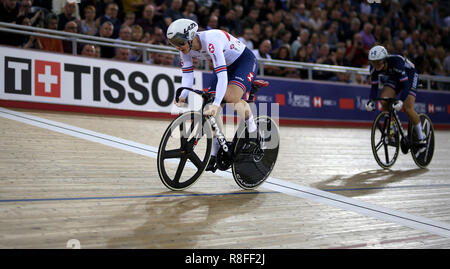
(330, 32)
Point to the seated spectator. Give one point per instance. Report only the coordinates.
(283, 53)
(157, 37)
(27, 42)
(263, 53)
(88, 25)
(136, 33)
(125, 33)
(98, 51)
(229, 21)
(146, 22)
(167, 59)
(338, 57)
(106, 31)
(9, 11)
(356, 52)
(130, 19)
(367, 37)
(324, 58)
(246, 38)
(36, 18)
(51, 44)
(332, 36)
(315, 21)
(67, 15)
(111, 11)
(136, 36)
(189, 11)
(71, 27)
(302, 57)
(213, 22)
(88, 50)
(122, 54)
(174, 11)
(355, 27)
(301, 41)
(312, 52)
(256, 36)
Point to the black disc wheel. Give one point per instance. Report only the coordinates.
(422, 157)
(251, 169)
(385, 140)
(184, 150)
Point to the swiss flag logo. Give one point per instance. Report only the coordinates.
(47, 78)
(317, 101)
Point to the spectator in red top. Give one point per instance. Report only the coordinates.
(356, 52)
(51, 44)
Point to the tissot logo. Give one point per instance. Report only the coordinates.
(47, 79)
(110, 84)
(17, 75)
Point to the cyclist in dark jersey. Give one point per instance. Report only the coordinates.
(401, 79)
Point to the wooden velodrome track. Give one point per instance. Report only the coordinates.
(60, 182)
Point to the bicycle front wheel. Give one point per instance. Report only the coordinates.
(423, 159)
(385, 140)
(188, 138)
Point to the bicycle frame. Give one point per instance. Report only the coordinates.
(208, 98)
(393, 112)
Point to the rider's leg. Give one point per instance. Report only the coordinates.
(413, 116)
(234, 96)
(215, 146)
(387, 92)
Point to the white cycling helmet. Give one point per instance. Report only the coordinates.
(377, 53)
(181, 31)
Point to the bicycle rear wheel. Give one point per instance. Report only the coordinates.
(423, 159)
(385, 140)
(251, 169)
(188, 137)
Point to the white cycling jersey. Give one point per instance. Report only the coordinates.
(219, 46)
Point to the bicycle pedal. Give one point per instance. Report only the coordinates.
(404, 147)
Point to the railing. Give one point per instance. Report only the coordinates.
(146, 48)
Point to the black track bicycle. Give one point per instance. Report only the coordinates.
(185, 148)
(388, 136)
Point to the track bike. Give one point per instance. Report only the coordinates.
(388, 136)
(186, 145)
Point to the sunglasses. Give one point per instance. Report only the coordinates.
(178, 40)
(376, 62)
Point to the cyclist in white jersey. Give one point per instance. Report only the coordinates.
(234, 65)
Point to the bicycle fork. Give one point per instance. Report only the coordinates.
(219, 135)
(399, 125)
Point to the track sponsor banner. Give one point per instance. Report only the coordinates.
(35, 76)
(326, 101)
(59, 81)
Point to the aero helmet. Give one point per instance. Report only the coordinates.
(377, 53)
(181, 31)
